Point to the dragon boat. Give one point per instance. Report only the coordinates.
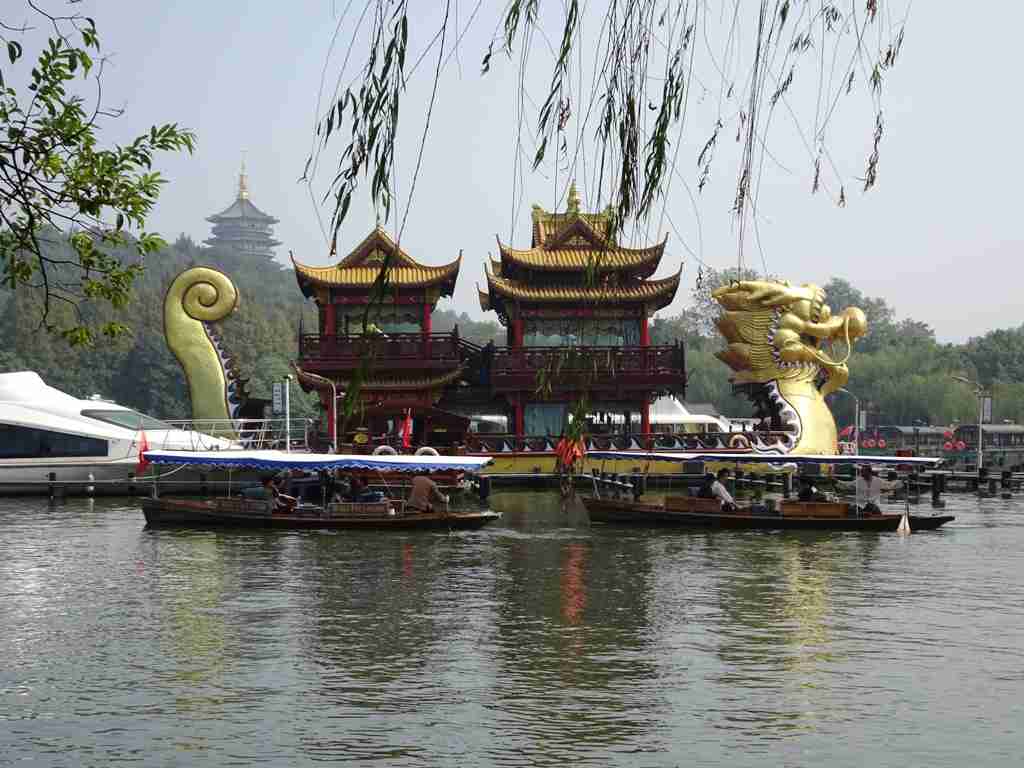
(621, 504)
(378, 511)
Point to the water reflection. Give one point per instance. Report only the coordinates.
(573, 641)
(780, 622)
(540, 640)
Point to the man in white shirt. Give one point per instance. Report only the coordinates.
(720, 492)
(869, 489)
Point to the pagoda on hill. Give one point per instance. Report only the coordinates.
(243, 227)
(576, 307)
(377, 332)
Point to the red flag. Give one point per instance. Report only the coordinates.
(407, 429)
(140, 468)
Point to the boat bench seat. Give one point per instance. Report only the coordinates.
(814, 509)
(243, 505)
(691, 504)
(359, 509)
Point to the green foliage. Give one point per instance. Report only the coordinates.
(477, 331)
(55, 176)
(137, 369)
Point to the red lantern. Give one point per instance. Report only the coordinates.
(948, 435)
(881, 442)
(869, 443)
(947, 445)
(960, 445)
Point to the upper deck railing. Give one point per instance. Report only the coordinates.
(519, 368)
(396, 350)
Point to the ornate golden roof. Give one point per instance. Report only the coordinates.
(374, 247)
(361, 269)
(485, 299)
(656, 293)
(580, 258)
(366, 275)
(547, 224)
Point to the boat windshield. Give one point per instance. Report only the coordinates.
(126, 418)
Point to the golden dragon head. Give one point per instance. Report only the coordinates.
(775, 333)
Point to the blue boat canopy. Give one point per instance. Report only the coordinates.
(316, 462)
(760, 458)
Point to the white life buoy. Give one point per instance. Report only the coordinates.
(739, 441)
(426, 450)
(384, 450)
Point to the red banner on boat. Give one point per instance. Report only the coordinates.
(407, 429)
(140, 468)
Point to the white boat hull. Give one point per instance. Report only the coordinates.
(72, 478)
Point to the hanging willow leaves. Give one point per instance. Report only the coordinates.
(371, 112)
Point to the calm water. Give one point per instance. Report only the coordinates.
(538, 641)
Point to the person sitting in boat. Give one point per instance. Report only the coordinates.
(809, 492)
(424, 493)
(720, 492)
(868, 487)
(281, 501)
(705, 492)
(356, 488)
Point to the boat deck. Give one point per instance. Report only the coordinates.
(683, 511)
(257, 514)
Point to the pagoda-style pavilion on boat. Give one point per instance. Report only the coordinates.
(377, 332)
(576, 306)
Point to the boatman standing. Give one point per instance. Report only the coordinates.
(720, 492)
(868, 488)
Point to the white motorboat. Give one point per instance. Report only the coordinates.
(53, 442)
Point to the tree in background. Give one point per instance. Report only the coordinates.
(55, 177)
(138, 370)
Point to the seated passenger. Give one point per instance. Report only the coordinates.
(282, 502)
(720, 492)
(356, 488)
(808, 491)
(704, 492)
(868, 488)
(424, 493)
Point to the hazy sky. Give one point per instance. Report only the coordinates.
(939, 237)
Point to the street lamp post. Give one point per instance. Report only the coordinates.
(323, 382)
(917, 436)
(980, 393)
(334, 417)
(287, 413)
(856, 419)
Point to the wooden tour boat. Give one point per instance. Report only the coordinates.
(623, 508)
(384, 513)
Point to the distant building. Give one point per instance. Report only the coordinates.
(243, 227)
